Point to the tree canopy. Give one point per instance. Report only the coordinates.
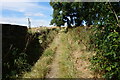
(75, 13)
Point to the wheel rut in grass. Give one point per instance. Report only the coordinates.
(54, 69)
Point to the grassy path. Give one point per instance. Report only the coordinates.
(43, 65)
(54, 68)
(64, 58)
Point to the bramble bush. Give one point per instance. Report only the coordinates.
(107, 45)
(106, 42)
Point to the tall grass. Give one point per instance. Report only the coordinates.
(42, 66)
(75, 52)
(66, 64)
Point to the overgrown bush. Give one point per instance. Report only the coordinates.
(17, 64)
(47, 37)
(18, 61)
(106, 42)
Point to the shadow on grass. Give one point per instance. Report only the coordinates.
(14, 60)
(34, 49)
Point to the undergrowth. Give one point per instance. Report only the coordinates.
(106, 42)
(16, 62)
(75, 40)
(42, 65)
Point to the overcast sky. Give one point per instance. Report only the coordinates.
(17, 12)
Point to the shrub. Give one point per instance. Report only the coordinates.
(106, 40)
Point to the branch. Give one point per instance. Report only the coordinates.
(114, 13)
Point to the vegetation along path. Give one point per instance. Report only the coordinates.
(64, 58)
(54, 70)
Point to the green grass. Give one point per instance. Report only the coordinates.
(42, 66)
(69, 43)
(66, 64)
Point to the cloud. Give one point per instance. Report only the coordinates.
(25, 0)
(23, 21)
(14, 20)
(0, 10)
(24, 6)
(34, 14)
(38, 13)
(27, 8)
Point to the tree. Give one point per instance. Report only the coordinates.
(66, 12)
(73, 13)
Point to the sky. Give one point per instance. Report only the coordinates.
(18, 12)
